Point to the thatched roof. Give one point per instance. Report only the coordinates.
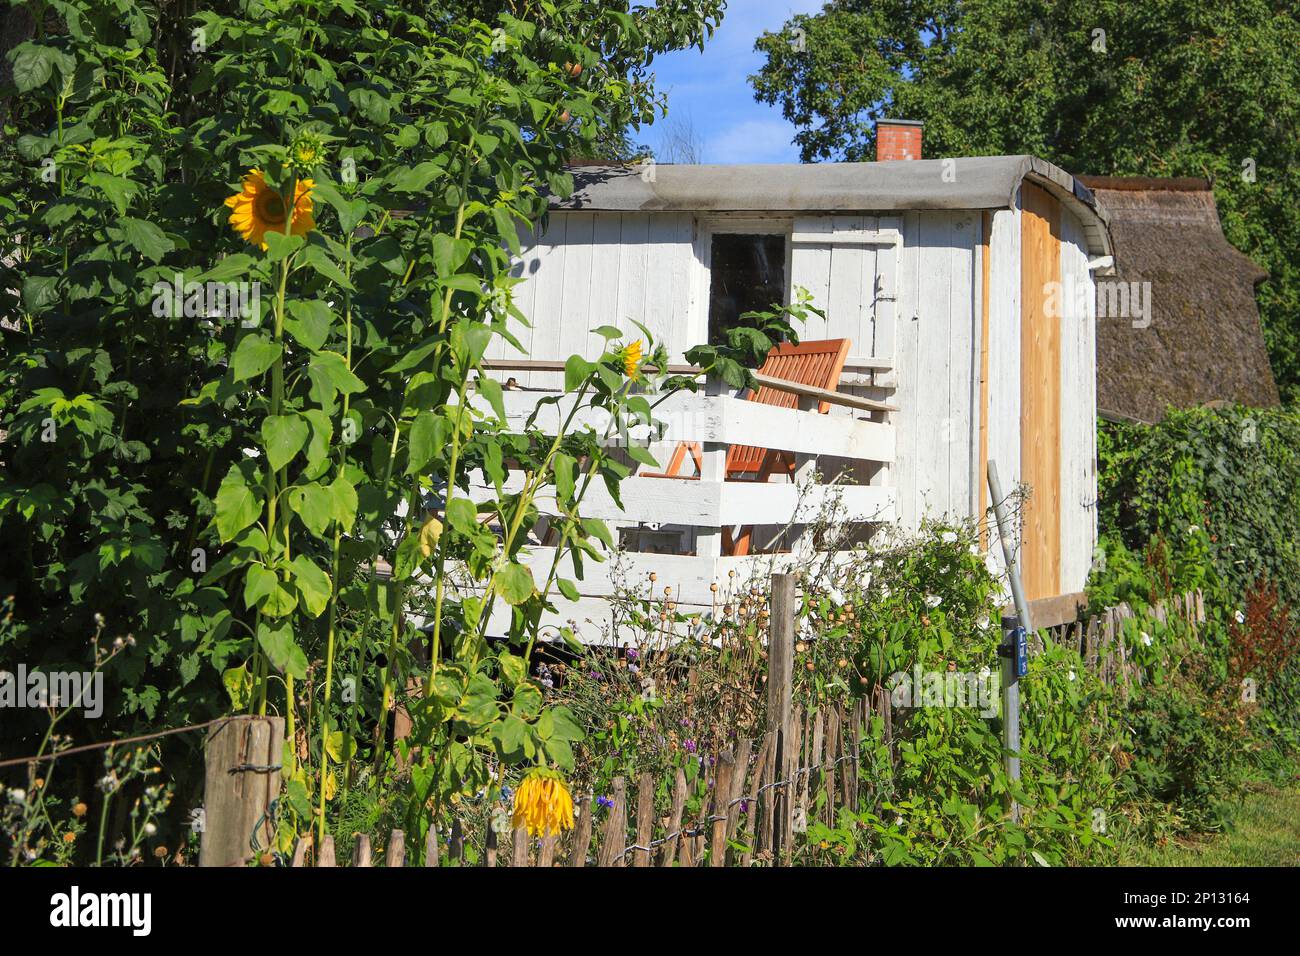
(1204, 342)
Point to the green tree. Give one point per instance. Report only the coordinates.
(221, 484)
(1106, 87)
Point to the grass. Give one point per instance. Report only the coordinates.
(1263, 830)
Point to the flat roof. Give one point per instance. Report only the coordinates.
(971, 182)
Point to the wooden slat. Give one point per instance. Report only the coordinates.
(668, 852)
(396, 855)
(581, 833)
(721, 793)
(1040, 393)
(614, 838)
(361, 850)
(645, 807)
(326, 857)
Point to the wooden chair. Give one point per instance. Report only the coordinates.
(818, 364)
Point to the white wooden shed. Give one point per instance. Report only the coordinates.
(965, 287)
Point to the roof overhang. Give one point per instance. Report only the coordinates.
(974, 182)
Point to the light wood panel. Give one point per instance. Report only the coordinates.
(1040, 392)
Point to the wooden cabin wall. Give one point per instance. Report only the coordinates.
(589, 269)
(1004, 357)
(934, 366)
(1078, 409)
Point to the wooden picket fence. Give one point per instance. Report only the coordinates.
(1100, 638)
(759, 796)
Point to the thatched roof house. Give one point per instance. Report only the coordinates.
(1200, 339)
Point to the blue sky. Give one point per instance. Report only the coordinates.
(710, 91)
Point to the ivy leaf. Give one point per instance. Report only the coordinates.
(237, 504)
(283, 437)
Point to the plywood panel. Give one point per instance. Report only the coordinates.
(1040, 392)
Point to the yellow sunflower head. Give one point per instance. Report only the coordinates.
(258, 209)
(543, 804)
(632, 359)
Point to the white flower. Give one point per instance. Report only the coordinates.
(1194, 529)
(984, 673)
(933, 600)
(1072, 675)
(99, 619)
(1241, 618)
(17, 796)
(1146, 639)
(150, 829)
(982, 621)
(949, 537)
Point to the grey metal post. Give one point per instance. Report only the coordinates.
(1010, 683)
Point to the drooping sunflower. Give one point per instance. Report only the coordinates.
(258, 209)
(543, 804)
(632, 359)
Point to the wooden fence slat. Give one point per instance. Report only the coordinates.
(519, 849)
(300, 851)
(326, 851)
(752, 790)
(361, 849)
(431, 848)
(581, 833)
(645, 808)
(546, 853)
(614, 838)
(737, 791)
(721, 794)
(396, 855)
(456, 849)
(668, 852)
(490, 847)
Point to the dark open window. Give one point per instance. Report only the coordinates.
(748, 274)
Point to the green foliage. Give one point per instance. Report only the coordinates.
(222, 483)
(1221, 488)
(1159, 88)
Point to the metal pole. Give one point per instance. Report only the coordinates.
(1010, 649)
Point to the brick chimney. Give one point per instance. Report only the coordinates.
(898, 139)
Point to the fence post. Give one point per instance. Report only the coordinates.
(780, 673)
(242, 779)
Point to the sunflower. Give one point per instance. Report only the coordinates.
(258, 209)
(543, 804)
(632, 358)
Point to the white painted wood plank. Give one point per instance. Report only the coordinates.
(723, 419)
(810, 268)
(576, 298)
(1004, 355)
(886, 296)
(544, 339)
(962, 361)
(602, 305)
(714, 504)
(633, 263)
